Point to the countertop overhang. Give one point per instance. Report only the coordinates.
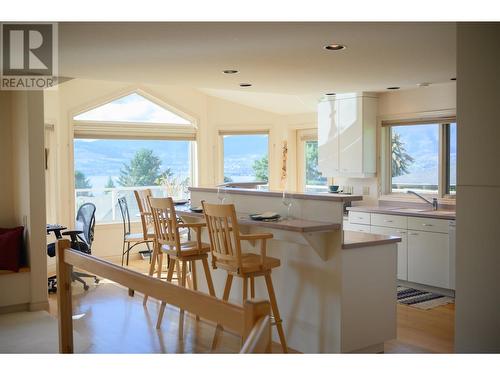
(354, 240)
(292, 225)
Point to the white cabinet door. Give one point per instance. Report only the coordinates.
(328, 138)
(428, 258)
(350, 124)
(402, 273)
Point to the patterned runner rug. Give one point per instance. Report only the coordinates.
(421, 299)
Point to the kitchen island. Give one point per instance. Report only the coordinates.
(336, 290)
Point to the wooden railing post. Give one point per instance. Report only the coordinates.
(64, 306)
(253, 311)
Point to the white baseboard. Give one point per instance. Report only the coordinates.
(37, 306)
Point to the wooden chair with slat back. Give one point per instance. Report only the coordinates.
(227, 254)
(168, 241)
(142, 197)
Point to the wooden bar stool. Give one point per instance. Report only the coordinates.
(167, 240)
(225, 241)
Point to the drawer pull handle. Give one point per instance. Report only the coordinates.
(427, 225)
(388, 221)
(402, 232)
(414, 234)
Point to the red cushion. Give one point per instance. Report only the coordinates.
(11, 244)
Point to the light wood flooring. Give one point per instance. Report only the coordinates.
(115, 323)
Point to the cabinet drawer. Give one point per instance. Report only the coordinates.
(359, 217)
(428, 225)
(391, 221)
(357, 228)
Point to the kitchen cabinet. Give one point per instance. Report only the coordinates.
(426, 253)
(402, 270)
(428, 258)
(347, 135)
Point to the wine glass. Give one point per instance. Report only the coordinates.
(287, 202)
(221, 194)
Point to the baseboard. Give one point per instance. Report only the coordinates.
(37, 306)
(14, 308)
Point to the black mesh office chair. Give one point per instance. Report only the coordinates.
(82, 237)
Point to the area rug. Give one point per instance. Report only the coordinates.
(421, 299)
(33, 332)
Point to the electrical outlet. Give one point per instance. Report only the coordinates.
(366, 190)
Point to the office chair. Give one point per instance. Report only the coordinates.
(81, 239)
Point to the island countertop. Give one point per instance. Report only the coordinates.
(274, 193)
(353, 240)
(293, 225)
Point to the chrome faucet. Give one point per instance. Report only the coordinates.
(434, 202)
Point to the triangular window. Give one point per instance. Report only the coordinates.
(132, 108)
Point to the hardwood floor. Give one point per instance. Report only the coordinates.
(115, 323)
(424, 331)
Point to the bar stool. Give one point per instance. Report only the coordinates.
(225, 240)
(167, 240)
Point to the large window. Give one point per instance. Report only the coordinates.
(423, 158)
(246, 157)
(310, 178)
(127, 144)
(107, 169)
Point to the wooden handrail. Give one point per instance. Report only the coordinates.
(236, 318)
(259, 339)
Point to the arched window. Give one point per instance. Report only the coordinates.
(129, 143)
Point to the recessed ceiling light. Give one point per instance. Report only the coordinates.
(453, 79)
(245, 84)
(230, 71)
(330, 94)
(393, 88)
(334, 47)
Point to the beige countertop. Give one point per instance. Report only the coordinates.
(293, 225)
(407, 211)
(273, 193)
(353, 240)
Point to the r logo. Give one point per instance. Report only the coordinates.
(27, 50)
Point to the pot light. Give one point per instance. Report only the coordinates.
(245, 84)
(393, 88)
(230, 71)
(334, 47)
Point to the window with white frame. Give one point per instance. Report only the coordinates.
(245, 156)
(421, 157)
(131, 143)
(310, 178)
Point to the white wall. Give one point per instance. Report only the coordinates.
(6, 201)
(22, 122)
(477, 321)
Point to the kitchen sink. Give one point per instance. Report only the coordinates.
(409, 209)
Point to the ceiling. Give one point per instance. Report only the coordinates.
(285, 62)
